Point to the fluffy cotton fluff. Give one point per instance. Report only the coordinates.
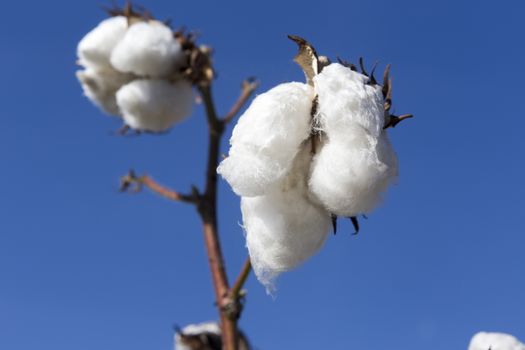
(149, 49)
(345, 100)
(154, 105)
(266, 139)
(349, 175)
(205, 336)
(101, 84)
(356, 162)
(283, 228)
(495, 341)
(94, 50)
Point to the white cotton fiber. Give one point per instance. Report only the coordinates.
(266, 139)
(94, 50)
(154, 105)
(100, 86)
(283, 228)
(495, 341)
(148, 49)
(345, 100)
(355, 163)
(349, 175)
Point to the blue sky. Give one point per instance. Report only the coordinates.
(84, 267)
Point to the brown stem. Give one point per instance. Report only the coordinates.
(227, 300)
(248, 88)
(208, 211)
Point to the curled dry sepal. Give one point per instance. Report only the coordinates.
(138, 68)
(303, 154)
(204, 336)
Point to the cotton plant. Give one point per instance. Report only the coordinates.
(137, 68)
(304, 154)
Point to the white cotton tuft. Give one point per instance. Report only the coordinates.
(356, 162)
(154, 105)
(283, 228)
(148, 49)
(94, 50)
(495, 341)
(101, 85)
(266, 139)
(345, 100)
(349, 175)
(205, 335)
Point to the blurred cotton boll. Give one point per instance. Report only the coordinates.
(204, 336)
(101, 84)
(266, 139)
(149, 49)
(284, 228)
(495, 341)
(94, 50)
(154, 105)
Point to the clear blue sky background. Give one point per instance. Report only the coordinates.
(84, 267)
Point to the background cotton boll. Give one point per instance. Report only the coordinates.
(266, 139)
(101, 85)
(149, 49)
(94, 50)
(348, 176)
(495, 341)
(283, 228)
(345, 99)
(154, 105)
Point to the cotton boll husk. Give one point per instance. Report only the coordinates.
(495, 341)
(284, 228)
(348, 176)
(154, 105)
(266, 139)
(148, 49)
(210, 333)
(94, 50)
(345, 100)
(100, 86)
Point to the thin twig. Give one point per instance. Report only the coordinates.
(133, 183)
(166, 192)
(241, 279)
(248, 88)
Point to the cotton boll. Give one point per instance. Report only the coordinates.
(204, 336)
(283, 228)
(495, 341)
(345, 100)
(154, 105)
(266, 139)
(100, 86)
(94, 50)
(348, 176)
(148, 49)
